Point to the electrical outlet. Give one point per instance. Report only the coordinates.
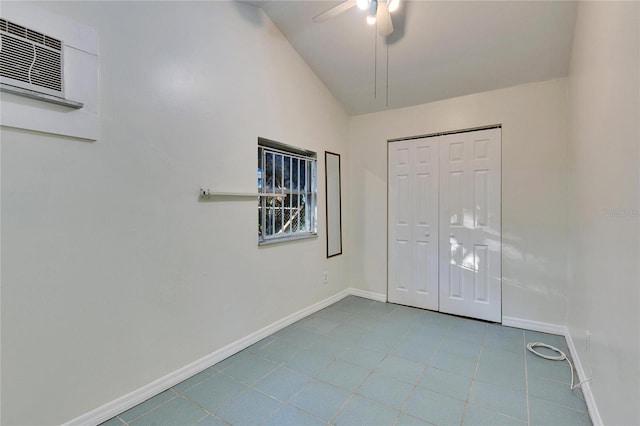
(588, 341)
(325, 277)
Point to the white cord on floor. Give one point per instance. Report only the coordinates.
(560, 357)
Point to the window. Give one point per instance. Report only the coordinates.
(287, 177)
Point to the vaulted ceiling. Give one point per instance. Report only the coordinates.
(439, 49)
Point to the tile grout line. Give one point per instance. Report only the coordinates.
(354, 393)
(205, 409)
(427, 365)
(401, 411)
(152, 409)
(314, 377)
(247, 386)
(351, 394)
(252, 387)
(473, 378)
(290, 404)
(339, 410)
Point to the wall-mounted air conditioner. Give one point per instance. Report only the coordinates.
(48, 72)
(31, 60)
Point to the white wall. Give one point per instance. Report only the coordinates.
(113, 273)
(534, 189)
(604, 213)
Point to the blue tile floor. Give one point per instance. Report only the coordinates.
(360, 362)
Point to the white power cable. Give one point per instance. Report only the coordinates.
(560, 357)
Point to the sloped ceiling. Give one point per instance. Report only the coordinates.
(439, 49)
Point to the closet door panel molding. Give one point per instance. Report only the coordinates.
(470, 224)
(413, 223)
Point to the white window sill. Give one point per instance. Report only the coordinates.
(272, 241)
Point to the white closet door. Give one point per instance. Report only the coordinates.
(470, 224)
(413, 223)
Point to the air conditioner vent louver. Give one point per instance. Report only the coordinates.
(30, 59)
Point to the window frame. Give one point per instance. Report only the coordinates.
(282, 153)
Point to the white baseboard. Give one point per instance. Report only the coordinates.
(586, 387)
(378, 297)
(543, 327)
(562, 330)
(140, 395)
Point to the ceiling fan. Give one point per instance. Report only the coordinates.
(378, 11)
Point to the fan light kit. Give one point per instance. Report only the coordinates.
(378, 12)
(372, 7)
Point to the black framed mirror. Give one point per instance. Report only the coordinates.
(333, 203)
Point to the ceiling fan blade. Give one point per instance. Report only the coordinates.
(334, 11)
(383, 17)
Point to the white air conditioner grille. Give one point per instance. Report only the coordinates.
(30, 59)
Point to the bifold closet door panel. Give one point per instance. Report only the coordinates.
(470, 224)
(413, 223)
